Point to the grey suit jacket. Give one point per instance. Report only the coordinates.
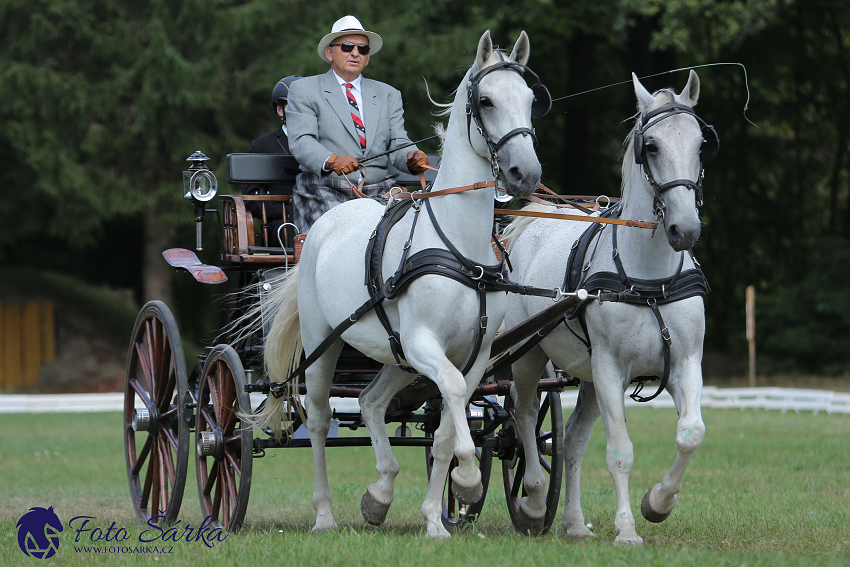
(319, 122)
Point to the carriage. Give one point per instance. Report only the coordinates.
(171, 412)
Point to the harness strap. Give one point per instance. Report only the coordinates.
(598, 220)
(666, 342)
(278, 390)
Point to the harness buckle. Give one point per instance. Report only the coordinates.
(483, 323)
(665, 334)
(664, 290)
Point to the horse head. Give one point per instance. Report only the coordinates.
(500, 104)
(669, 144)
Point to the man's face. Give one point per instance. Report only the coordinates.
(348, 65)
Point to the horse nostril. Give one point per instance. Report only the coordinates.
(515, 175)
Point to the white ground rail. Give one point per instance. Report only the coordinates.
(782, 399)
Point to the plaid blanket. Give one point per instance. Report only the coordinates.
(313, 196)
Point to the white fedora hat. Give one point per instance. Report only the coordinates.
(345, 26)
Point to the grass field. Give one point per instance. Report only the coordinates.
(764, 489)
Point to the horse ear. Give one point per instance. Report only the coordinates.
(485, 50)
(643, 96)
(690, 93)
(521, 49)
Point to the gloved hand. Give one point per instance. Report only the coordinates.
(416, 161)
(342, 164)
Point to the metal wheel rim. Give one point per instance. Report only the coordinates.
(550, 410)
(156, 460)
(224, 485)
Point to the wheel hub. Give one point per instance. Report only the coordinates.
(145, 420)
(210, 444)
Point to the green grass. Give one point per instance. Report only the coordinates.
(764, 489)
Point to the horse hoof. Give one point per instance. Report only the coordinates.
(650, 514)
(373, 511)
(468, 495)
(526, 525)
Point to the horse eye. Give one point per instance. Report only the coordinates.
(486, 102)
(651, 148)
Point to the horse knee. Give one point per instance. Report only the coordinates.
(689, 436)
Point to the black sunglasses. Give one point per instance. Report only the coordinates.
(348, 47)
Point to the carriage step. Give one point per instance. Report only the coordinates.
(188, 260)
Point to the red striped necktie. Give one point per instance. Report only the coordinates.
(355, 115)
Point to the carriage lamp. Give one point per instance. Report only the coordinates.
(199, 183)
(199, 186)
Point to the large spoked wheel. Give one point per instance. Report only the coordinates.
(457, 514)
(224, 452)
(550, 450)
(157, 415)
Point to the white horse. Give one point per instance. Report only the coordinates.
(625, 340)
(437, 317)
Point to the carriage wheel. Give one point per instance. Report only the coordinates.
(224, 452)
(550, 448)
(456, 513)
(157, 420)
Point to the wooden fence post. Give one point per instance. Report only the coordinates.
(751, 332)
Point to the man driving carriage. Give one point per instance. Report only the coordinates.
(340, 118)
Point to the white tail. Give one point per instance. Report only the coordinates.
(282, 352)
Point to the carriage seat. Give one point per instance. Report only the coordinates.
(247, 241)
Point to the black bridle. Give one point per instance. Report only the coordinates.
(539, 108)
(709, 149)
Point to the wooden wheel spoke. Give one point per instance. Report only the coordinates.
(518, 476)
(145, 366)
(163, 471)
(547, 466)
(150, 347)
(140, 392)
(234, 464)
(216, 502)
(214, 399)
(143, 454)
(543, 412)
(210, 420)
(208, 485)
(167, 379)
(150, 495)
(224, 490)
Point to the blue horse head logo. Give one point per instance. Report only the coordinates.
(38, 533)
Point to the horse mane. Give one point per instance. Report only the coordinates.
(518, 225)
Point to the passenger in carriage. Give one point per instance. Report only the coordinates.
(276, 142)
(341, 117)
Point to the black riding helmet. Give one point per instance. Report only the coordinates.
(281, 90)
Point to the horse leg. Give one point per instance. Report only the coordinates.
(526, 374)
(428, 357)
(442, 453)
(660, 500)
(374, 401)
(619, 456)
(318, 378)
(576, 440)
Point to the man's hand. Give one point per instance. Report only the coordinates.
(416, 161)
(342, 164)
